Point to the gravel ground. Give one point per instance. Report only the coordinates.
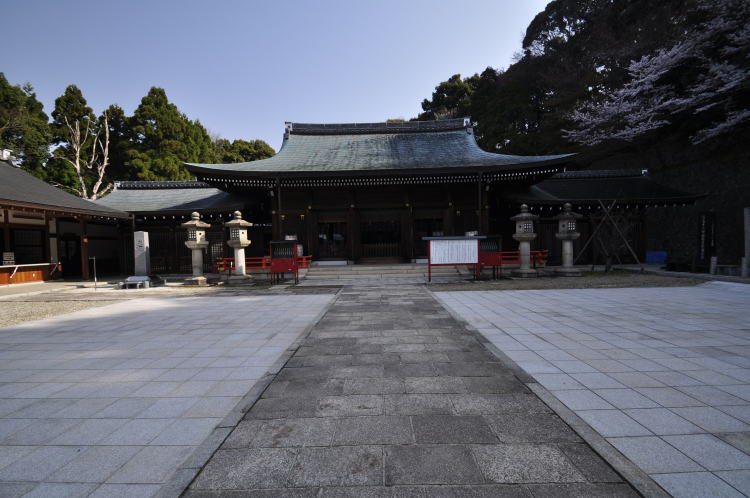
(14, 312)
(589, 280)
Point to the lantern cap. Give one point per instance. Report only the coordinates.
(567, 213)
(195, 222)
(237, 221)
(524, 215)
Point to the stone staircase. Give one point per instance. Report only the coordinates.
(406, 271)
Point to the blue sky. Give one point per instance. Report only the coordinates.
(244, 67)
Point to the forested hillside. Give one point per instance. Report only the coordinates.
(628, 84)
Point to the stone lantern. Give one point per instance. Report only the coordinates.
(238, 241)
(524, 235)
(567, 232)
(196, 242)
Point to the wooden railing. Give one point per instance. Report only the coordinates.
(264, 262)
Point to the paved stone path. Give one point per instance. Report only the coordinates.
(662, 373)
(110, 401)
(390, 396)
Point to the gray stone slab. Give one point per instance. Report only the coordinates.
(387, 385)
(430, 464)
(654, 455)
(583, 399)
(582, 491)
(696, 485)
(662, 421)
(338, 466)
(39, 463)
(417, 404)
(668, 397)
(588, 463)
(449, 429)
(95, 464)
(287, 432)
(530, 427)
(739, 479)
(479, 404)
(125, 491)
(246, 469)
(151, 465)
(625, 398)
(710, 452)
(49, 490)
(525, 463)
(428, 385)
(15, 489)
(711, 419)
(373, 430)
(349, 406)
(613, 423)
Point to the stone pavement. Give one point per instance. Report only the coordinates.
(662, 373)
(390, 396)
(111, 401)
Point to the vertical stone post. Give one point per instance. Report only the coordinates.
(524, 235)
(196, 242)
(567, 232)
(238, 241)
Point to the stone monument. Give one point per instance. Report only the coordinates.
(141, 254)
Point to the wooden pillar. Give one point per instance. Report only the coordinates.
(84, 250)
(407, 228)
(481, 211)
(279, 211)
(352, 230)
(448, 216)
(6, 231)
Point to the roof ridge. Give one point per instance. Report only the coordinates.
(599, 173)
(162, 184)
(379, 127)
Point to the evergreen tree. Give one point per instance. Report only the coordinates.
(24, 127)
(162, 138)
(239, 151)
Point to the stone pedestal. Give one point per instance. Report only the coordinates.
(524, 249)
(567, 232)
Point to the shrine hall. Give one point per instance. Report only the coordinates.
(370, 192)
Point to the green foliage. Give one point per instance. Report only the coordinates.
(451, 98)
(24, 126)
(163, 138)
(239, 151)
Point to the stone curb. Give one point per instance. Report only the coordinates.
(621, 464)
(188, 470)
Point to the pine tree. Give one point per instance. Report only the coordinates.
(239, 151)
(24, 127)
(162, 138)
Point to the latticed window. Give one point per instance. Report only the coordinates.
(235, 234)
(192, 235)
(571, 226)
(527, 227)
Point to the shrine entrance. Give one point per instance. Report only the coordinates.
(332, 240)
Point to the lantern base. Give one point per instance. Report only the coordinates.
(530, 273)
(567, 272)
(200, 281)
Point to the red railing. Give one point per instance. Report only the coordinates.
(264, 262)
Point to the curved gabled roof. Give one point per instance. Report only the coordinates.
(170, 197)
(591, 186)
(377, 147)
(21, 188)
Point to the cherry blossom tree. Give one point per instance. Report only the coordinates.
(704, 79)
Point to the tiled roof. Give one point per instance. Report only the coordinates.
(380, 147)
(170, 197)
(19, 187)
(584, 187)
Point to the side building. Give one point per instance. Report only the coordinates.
(48, 233)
